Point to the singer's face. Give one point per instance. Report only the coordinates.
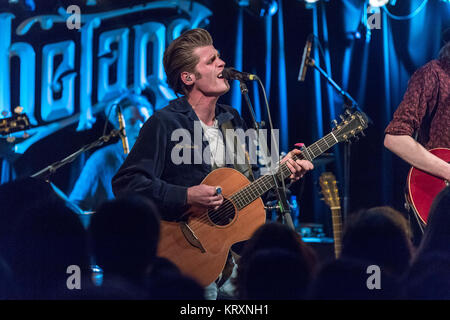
(209, 68)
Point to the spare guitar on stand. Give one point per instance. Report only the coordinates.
(331, 197)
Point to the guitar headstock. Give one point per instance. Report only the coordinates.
(329, 189)
(352, 124)
(17, 122)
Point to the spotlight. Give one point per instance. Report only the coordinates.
(378, 3)
(309, 4)
(259, 8)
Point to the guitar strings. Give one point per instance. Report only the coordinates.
(246, 196)
(243, 195)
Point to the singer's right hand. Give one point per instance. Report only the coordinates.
(204, 196)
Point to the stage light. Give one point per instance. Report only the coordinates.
(309, 4)
(378, 3)
(259, 8)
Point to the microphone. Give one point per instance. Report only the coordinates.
(123, 133)
(305, 59)
(233, 74)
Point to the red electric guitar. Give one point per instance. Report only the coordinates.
(423, 187)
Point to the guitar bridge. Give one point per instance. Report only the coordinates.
(191, 237)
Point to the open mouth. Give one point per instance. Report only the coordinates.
(220, 76)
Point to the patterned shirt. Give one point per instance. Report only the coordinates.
(425, 108)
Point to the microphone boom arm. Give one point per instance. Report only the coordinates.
(51, 169)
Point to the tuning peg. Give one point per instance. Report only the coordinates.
(334, 123)
(18, 110)
(342, 117)
(347, 112)
(363, 134)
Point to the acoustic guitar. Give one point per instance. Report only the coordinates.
(199, 244)
(424, 187)
(331, 197)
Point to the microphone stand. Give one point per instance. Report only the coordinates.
(349, 105)
(285, 208)
(48, 171)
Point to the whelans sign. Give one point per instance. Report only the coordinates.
(66, 66)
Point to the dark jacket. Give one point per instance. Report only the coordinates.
(149, 170)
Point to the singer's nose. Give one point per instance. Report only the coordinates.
(221, 63)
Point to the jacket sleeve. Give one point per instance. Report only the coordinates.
(142, 169)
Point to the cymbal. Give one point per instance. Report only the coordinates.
(323, 159)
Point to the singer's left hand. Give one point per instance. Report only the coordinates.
(299, 167)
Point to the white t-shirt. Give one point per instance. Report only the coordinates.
(216, 145)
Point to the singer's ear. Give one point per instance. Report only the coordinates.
(187, 78)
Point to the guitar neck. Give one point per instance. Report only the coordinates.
(337, 230)
(256, 189)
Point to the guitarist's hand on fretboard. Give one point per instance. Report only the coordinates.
(298, 167)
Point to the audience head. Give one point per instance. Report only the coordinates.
(7, 288)
(48, 239)
(274, 273)
(18, 197)
(174, 286)
(428, 278)
(350, 279)
(380, 236)
(277, 241)
(125, 235)
(437, 231)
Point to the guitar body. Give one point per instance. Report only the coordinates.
(423, 187)
(215, 236)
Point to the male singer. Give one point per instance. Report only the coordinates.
(194, 69)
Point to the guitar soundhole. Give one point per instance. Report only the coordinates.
(223, 215)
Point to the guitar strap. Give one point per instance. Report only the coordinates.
(245, 168)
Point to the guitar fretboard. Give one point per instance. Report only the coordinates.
(256, 189)
(337, 230)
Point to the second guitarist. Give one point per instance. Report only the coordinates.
(425, 111)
